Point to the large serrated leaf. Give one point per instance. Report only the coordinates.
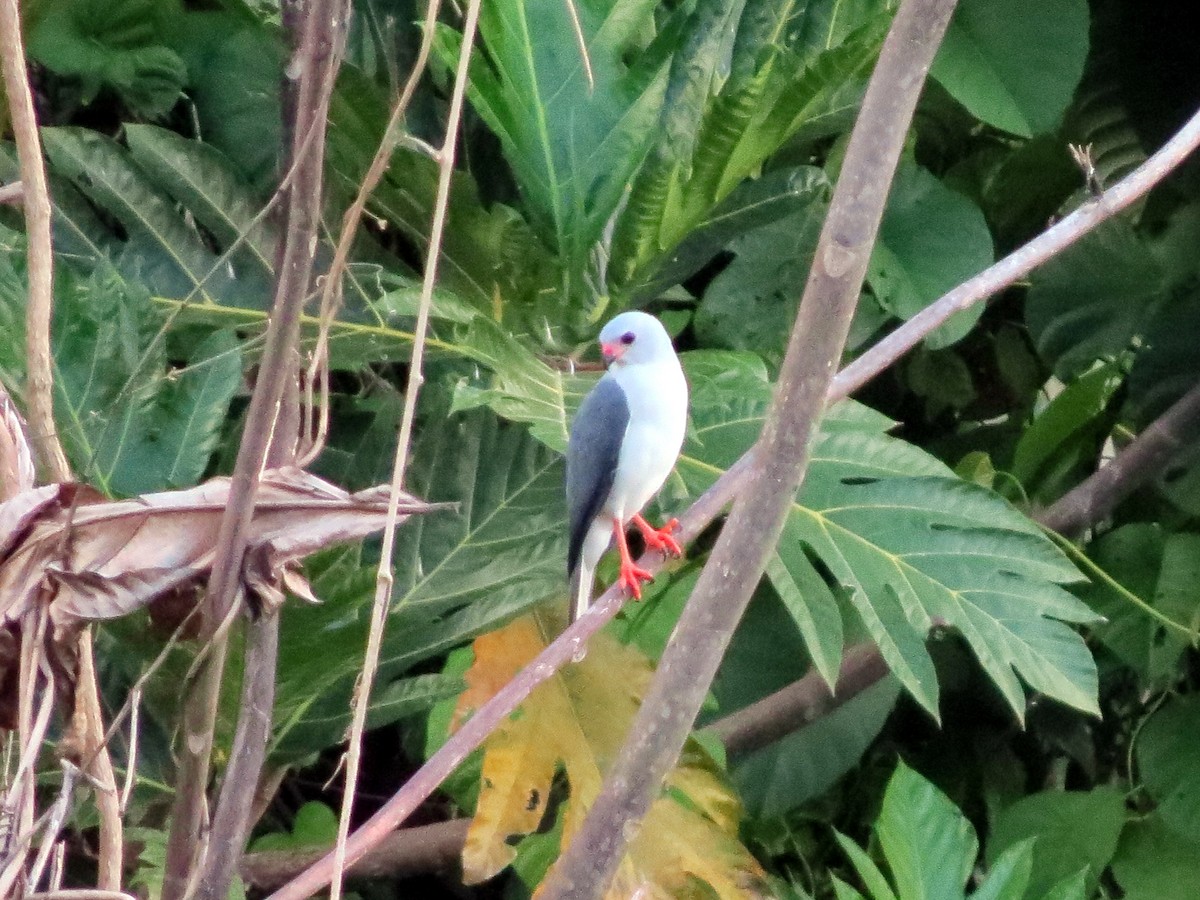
(914, 547)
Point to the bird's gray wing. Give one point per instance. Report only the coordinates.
(592, 454)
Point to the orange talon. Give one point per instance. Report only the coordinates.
(632, 575)
(659, 538)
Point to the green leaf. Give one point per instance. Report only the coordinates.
(129, 421)
(752, 303)
(1065, 435)
(458, 573)
(163, 251)
(572, 145)
(1091, 300)
(315, 826)
(521, 387)
(1073, 887)
(204, 182)
(807, 763)
(781, 194)
(931, 239)
(876, 882)
(910, 545)
(1169, 765)
(491, 257)
(1135, 557)
(1008, 876)
(928, 844)
(1074, 830)
(1014, 64)
(1153, 862)
(113, 44)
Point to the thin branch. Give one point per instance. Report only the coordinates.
(562, 650)
(1140, 462)
(39, 397)
(736, 564)
(1021, 261)
(278, 369)
(12, 193)
(383, 581)
(410, 851)
(437, 847)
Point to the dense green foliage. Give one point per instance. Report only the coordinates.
(1043, 687)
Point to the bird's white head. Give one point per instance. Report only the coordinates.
(634, 338)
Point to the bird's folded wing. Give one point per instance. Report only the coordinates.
(592, 455)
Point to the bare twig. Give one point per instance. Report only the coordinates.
(437, 847)
(320, 32)
(737, 562)
(383, 582)
(58, 816)
(97, 764)
(80, 894)
(12, 193)
(331, 293)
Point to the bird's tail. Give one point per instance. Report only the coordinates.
(581, 591)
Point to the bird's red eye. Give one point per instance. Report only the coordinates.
(627, 337)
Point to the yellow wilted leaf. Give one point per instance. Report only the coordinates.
(576, 721)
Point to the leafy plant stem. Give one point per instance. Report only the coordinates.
(319, 27)
(737, 562)
(384, 579)
(1021, 261)
(1082, 560)
(1138, 463)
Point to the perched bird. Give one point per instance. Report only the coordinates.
(623, 444)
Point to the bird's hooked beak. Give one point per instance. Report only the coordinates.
(612, 352)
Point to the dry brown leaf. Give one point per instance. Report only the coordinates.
(576, 722)
(90, 559)
(16, 459)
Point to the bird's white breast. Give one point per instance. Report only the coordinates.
(657, 398)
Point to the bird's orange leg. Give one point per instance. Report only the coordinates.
(659, 538)
(632, 575)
